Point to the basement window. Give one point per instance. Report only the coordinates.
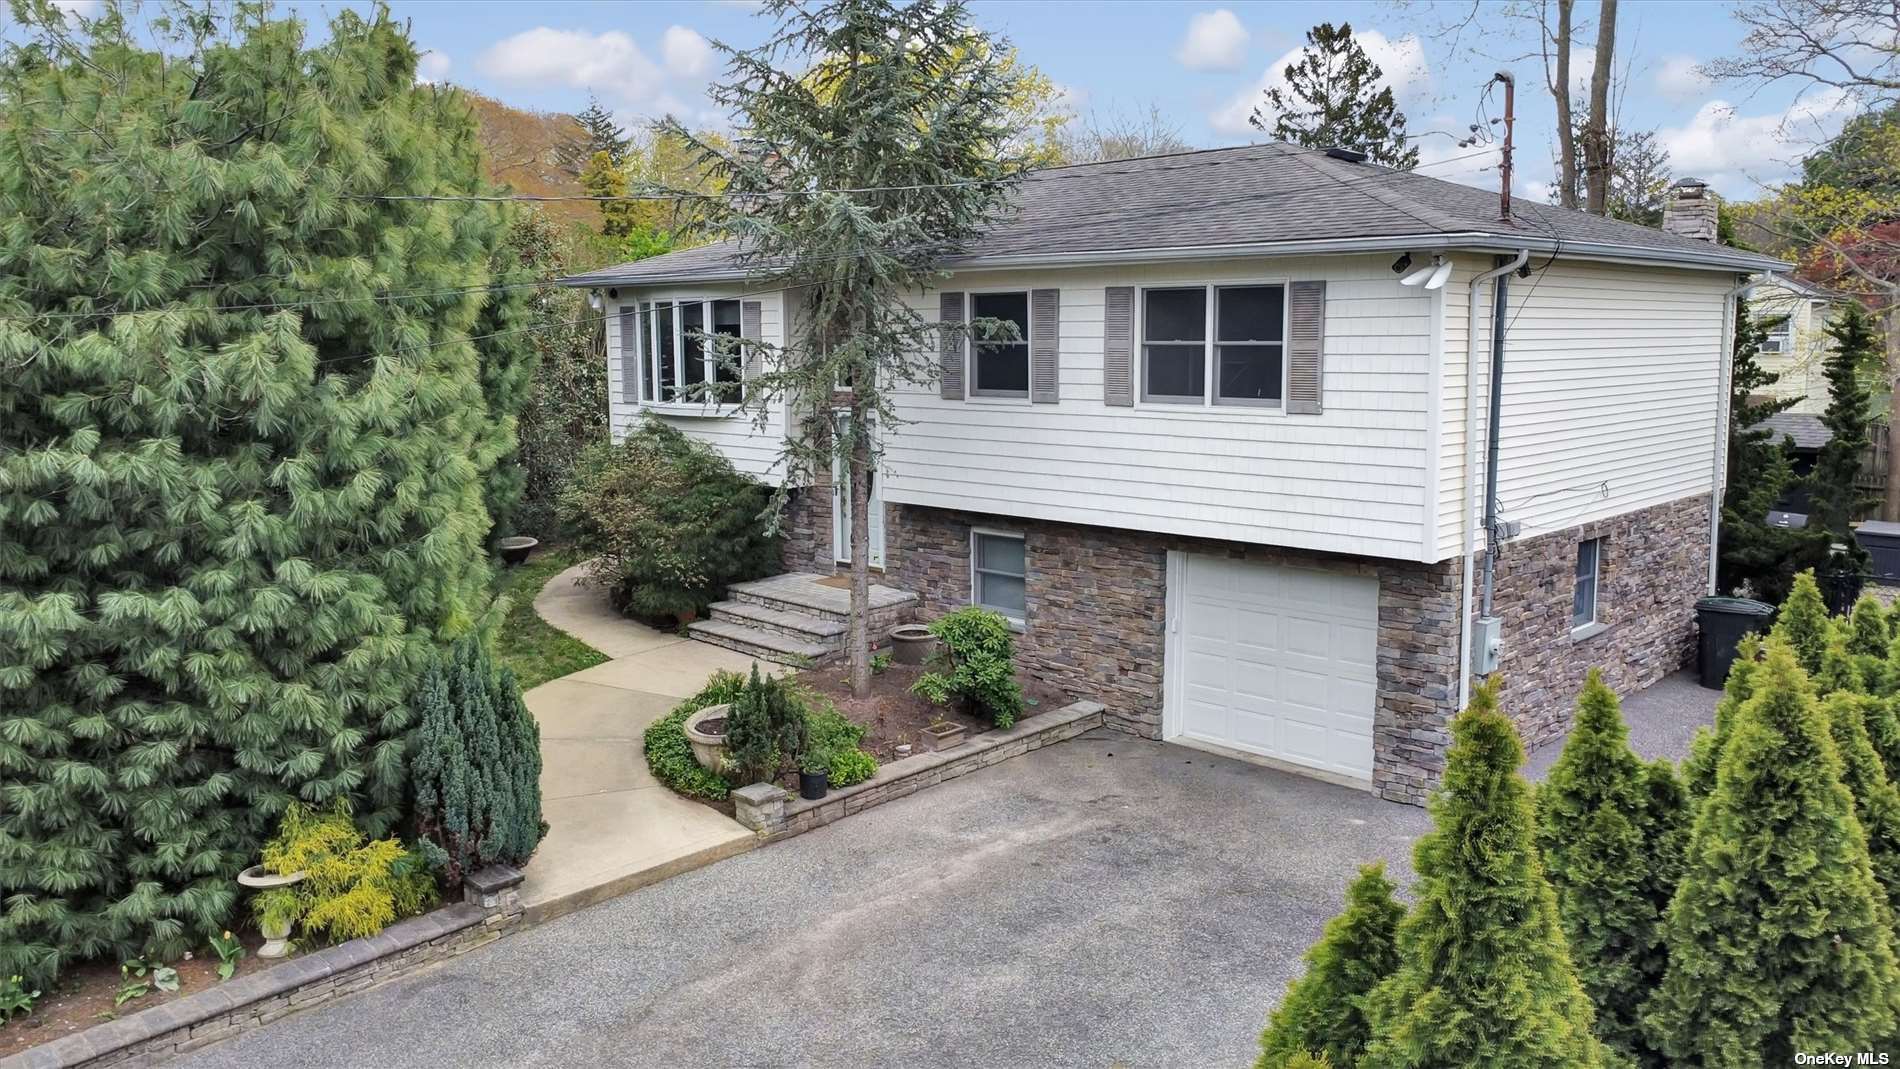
(1583, 596)
(999, 573)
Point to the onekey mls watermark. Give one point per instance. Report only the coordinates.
(1865, 1057)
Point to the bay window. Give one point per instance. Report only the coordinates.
(1223, 345)
(683, 344)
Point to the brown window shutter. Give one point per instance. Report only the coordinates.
(752, 328)
(1118, 346)
(1045, 312)
(950, 353)
(1306, 334)
(629, 355)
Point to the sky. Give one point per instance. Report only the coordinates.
(1204, 65)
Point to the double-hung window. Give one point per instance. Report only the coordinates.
(1001, 364)
(1583, 597)
(1780, 336)
(1223, 345)
(683, 344)
(999, 573)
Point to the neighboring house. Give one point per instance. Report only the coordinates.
(1225, 484)
(1796, 349)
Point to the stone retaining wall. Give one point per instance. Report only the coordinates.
(491, 907)
(775, 813)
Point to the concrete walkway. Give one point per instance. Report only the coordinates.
(611, 826)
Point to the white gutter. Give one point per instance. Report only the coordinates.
(1470, 506)
(1470, 241)
(1724, 378)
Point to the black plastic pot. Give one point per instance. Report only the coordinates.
(813, 785)
(515, 548)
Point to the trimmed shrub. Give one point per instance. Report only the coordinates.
(976, 666)
(670, 756)
(1484, 976)
(475, 766)
(1612, 832)
(669, 520)
(764, 730)
(1324, 1011)
(351, 887)
(1803, 623)
(1778, 938)
(1876, 799)
(1698, 772)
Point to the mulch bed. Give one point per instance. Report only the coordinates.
(83, 996)
(894, 715)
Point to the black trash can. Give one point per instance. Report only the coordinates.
(1881, 540)
(1722, 622)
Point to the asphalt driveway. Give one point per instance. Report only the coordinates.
(1102, 902)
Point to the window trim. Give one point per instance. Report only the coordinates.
(1594, 624)
(972, 388)
(1210, 380)
(646, 313)
(1017, 623)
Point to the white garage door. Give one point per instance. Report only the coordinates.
(1275, 661)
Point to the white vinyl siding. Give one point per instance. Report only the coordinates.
(1351, 480)
(1611, 391)
(731, 432)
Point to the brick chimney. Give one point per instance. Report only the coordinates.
(1691, 210)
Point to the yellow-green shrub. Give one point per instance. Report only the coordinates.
(351, 887)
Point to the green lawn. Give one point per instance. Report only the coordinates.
(536, 651)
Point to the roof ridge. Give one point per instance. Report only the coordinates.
(1315, 160)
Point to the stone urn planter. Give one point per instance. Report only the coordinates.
(943, 735)
(515, 549)
(276, 936)
(912, 643)
(706, 730)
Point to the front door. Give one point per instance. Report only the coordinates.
(841, 513)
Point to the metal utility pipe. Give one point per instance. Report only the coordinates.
(1500, 297)
(1469, 503)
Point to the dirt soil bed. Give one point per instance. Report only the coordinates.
(894, 715)
(83, 996)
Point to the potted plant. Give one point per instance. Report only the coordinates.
(706, 731)
(943, 733)
(912, 643)
(279, 911)
(814, 773)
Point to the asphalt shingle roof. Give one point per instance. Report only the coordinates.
(1254, 195)
(1807, 431)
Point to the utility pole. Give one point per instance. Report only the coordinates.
(1504, 166)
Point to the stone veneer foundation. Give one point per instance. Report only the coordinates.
(1097, 603)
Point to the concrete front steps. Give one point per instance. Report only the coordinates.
(795, 619)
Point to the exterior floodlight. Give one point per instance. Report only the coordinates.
(1418, 276)
(1439, 275)
(594, 302)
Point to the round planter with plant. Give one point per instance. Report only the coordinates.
(814, 774)
(706, 731)
(274, 925)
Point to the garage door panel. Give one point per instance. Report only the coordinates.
(1279, 661)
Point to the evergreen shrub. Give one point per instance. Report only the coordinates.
(475, 769)
(1324, 1011)
(764, 729)
(976, 666)
(352, 887)
(670, 522)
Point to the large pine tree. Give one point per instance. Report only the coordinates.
(1778, 936)
(1333, 99)
(1835, 499)
(1754, 555)
(1324, 1011)
(1612, 832)
(241, 461)
(1484, 975)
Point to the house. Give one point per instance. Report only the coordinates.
(1798, 314)
(1232, 480)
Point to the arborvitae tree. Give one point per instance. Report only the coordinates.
(1754, 555)
(241, 459)
(1838, 668)
(1484, 977)
(1778, 936)
(1835, 501)
(1803, 623)
(475, 766)
(1333, 99)
(1705, 752)
(1883, 730)
(1876, 799)
(1324, 1011)
(1869, 635)
(1611, 831)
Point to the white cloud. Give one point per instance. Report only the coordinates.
(85, 9)
(1680, 80)
(1215, 41)
(1401, 63)
(610, 63)
(432, 66)
(1738, 154)
(685, 52)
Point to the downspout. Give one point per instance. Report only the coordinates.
(1470, 509)
(1722, 415)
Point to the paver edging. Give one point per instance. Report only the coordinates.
(490, 908)
(773, 813)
